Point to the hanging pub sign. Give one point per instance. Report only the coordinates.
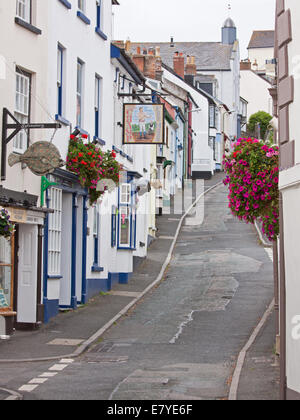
(143, 124)
(41, 158)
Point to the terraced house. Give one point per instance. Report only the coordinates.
(70, 82)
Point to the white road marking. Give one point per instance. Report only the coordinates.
(67, 361)
(38, 381)
(48, 374)
(65, 342)
(28, 388)
(58, 368)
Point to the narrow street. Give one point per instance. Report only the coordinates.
(182, 341)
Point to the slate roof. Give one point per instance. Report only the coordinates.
(209, 55)
(262, 39)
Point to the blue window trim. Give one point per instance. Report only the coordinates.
(66, 3)
(99, 15)
(82, 131)
(84, 18)
(101, 34)
(100, 141)
(62, 120)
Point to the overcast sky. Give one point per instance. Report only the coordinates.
(190, 20)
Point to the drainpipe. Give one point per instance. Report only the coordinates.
(74, 249)
(84, 249)
(45, 262)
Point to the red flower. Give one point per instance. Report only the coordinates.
(85, 136)
(114, 155)
(72, 137)
(80, 154)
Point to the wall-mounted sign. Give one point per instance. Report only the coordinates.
(143, 124)
(18, 215)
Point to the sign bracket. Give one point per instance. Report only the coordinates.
(17, 127)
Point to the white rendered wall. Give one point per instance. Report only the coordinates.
(14, 51)
(256, 91)
(260, 55)
(290, 187)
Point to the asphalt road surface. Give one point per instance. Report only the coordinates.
(182, 341)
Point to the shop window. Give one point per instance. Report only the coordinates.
(6, 274)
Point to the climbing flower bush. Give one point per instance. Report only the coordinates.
(252, 178)
(6, 226)
(92, 165)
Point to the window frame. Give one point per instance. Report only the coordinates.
(98, 102)
(60, 79)
(96, 237)
(10, 307)
(212, 116)
(26, 17)
(80, 93)
(129, 205)
(55, 232)
(22, 116)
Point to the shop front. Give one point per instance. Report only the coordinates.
(7, 313)
(21, 263)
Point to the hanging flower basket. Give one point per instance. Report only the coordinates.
(6, 226)
(252, 177)
(92, 166)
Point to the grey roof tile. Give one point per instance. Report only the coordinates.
(209, 55)
(262, 39)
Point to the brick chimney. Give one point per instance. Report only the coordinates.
(139, 59)
(245, 65)
(149, 62)
(158, 65)
(191, 68)
(178, 61)
(128, 46)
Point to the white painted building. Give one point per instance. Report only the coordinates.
(288, 89)
(23, 94)
(255, 89)
(72, 76)
(261, 49)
